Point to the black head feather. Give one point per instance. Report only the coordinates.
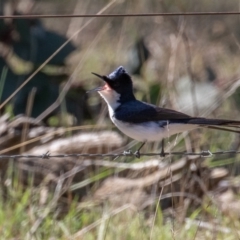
(120, 81)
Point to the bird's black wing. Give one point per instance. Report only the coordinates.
(140, 112)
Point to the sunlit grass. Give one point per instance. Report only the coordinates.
(24, 216)
(20, 212)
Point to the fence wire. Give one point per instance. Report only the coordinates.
(47, 155)
(31, 16)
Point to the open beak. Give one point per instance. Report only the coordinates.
(98, 88)
(102, 77)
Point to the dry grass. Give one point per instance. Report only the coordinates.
(144, 207)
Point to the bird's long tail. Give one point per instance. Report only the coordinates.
(220, 124)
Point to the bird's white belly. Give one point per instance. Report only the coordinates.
(151, 131)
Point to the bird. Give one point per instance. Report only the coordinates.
(146, 122)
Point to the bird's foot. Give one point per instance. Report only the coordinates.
(137, 154)
(162, 154)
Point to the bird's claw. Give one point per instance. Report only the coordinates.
(137, 154)
(162, 154)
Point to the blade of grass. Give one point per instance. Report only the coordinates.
(2, 80)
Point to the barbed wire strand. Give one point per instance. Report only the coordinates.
(128, 153)
(47, 155)
(31, 16)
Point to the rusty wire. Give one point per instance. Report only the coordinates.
(31, 16)
(47, 155)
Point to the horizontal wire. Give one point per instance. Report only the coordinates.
(124, 154)
(117, 15)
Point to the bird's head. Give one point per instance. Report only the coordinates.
(118, 84)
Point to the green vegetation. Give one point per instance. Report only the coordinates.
(51, 211)
(22, 216)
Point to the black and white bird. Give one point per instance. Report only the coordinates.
(146, 122)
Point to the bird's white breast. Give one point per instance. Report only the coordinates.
(148, 131)
(151, 131)
(112, 99)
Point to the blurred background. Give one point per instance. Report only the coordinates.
(188, 63)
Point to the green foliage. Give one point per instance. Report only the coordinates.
(20, 212)
(21, 209)
(2, 80)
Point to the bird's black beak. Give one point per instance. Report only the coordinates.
(104, 78)
(100, 76)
